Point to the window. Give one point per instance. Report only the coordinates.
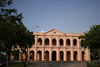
(54, 32)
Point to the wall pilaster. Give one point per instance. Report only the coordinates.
(71, 41)
(43, 40)
(78, 42)
(50, 41)
(58, 41)
(36, 40)
(64, 41)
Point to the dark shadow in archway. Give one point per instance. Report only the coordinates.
(75, 56)
(54, 56)
(46, 56)
(61, 55)
(83, 56)
(31, 55)
(68, 56)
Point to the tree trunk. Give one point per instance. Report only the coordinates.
(7, 59)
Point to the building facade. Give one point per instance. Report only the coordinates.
(55, 46)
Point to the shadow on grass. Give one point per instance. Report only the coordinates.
(16, 64)
(92, 64)
(20, 64)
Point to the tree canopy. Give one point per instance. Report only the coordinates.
(12, 30)
(91, 39)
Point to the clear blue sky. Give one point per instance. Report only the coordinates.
(67, 16)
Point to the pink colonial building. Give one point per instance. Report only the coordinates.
(55, 46)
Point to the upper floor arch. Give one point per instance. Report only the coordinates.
(39, 41)
(74, 42)
(68, 42)
(46, 41)
(61, 42)
(54, 42)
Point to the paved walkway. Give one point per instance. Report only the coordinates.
(58, 64)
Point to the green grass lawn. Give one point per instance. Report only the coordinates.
(20, 64)
(97, 64)
(17, 64)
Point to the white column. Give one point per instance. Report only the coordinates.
(64, 55)
(72, 56)
(57, 55)
(64, 41)
(57, 41)
(43, 39)
(50, 55)
(78, 42)
(71, 39)
(43, 55)
(35, 55)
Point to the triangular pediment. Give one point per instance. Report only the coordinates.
(53, 32)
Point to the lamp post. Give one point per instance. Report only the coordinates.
(34, 26)
(27, 46)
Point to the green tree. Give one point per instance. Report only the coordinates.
(91, 39)
(12, 30)
(26, 41)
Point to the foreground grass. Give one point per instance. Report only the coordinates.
(18, 64)
(97, 64)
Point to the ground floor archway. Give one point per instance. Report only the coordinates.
(54, 56)
(83, 56)
(68, 56)
(46, 56)
(31, 55)
(61, 56)
(39, 56)
(75, 56)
